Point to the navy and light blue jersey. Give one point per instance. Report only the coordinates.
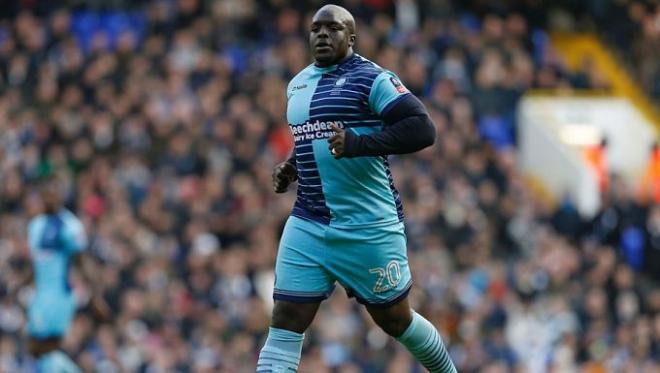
(347, 192)
(53, 240)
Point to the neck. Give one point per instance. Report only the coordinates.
(348, 55)
(50, 210)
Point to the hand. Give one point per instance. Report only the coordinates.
(337, 142)
(99, 308)
(283, 175)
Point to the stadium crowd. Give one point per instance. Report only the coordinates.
(166, 134)
(631, 28)
(637, 23)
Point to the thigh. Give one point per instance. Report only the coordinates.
(300, 276)
(372, 264)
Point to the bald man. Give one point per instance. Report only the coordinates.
(346, 115)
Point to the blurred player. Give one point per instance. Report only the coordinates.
(56, 238)
(346, 115)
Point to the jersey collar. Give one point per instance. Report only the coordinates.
(337, 66)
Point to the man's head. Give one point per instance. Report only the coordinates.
(332, 35)
(50, 191)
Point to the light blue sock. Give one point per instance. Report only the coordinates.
(281, 353)
(56, 362)
(424, 342)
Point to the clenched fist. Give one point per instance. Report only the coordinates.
(283, 175)
(337, 143)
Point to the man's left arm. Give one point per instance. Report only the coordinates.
(408, 127)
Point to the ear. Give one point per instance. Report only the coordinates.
(351, 40)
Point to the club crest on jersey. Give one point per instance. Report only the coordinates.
(336, 90)
(398, 85)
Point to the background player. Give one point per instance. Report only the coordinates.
(56, 238)
(346, 225)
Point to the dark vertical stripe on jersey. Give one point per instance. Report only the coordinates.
(51, 237)
(395, 193)
(310, 201)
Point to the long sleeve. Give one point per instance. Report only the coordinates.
(408, 129)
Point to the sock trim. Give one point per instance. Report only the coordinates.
(284, 335)
(411, 328)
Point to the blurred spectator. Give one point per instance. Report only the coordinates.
(650, 186)
(596, 159)
(632, 28)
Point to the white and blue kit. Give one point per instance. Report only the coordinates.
(53, 239)
(347, 222)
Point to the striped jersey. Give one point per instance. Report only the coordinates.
(53, 240)
(347, 192)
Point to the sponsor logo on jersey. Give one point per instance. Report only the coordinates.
(314, 130)
(298, 87)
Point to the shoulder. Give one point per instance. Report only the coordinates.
(34, 230)
(375, 76)
(378, 74)
(303, 75)
(385, 89)
(35, 222)
(70, 218)
(300, 80)
(364, 68)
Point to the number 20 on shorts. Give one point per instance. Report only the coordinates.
(390, 274)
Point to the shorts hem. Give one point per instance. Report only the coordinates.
(44, 336)
(299, 299)
(389, 302)
(302, 297)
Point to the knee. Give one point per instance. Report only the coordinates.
(394, 324)
(41, 347)
(292, 316)
(285, 320)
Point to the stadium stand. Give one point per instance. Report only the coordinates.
(631, 27)
(165, 119)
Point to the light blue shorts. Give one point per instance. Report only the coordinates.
(50, 315)
(370, 263)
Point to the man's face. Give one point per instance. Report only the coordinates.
(329, 38)
(51, 195)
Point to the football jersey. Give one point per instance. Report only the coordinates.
(53, 240)
(347, 192)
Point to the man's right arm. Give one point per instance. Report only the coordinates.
(285, 173)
